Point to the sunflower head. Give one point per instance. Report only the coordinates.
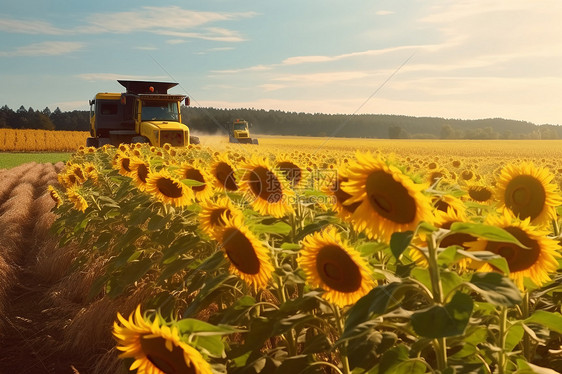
(536, 262)
(480, 193)
(334, 189)
(331, 264)
(214, 215)
(268, 192)
(296, 174)
(74, 194)
(168, 189)
(156, 347)
(55, 195)
(140, 170)
(248, 257)
(390, 201)
(528, 192)
(224, 173)
(196, 171)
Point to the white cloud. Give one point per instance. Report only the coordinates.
(157, 18)
(384, 12)
(322, 78)
(250, 69)
(175, 41)
(44, 49)
(169, 21)
(29, 27)
(94, 77)
(215, 34)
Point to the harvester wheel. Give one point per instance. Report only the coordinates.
(255, 141)
(92, 142)
(194, 140)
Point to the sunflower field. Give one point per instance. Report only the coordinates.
(267, 259)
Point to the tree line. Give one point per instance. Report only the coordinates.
(277, 122)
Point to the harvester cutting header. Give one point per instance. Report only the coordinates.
(145, 113)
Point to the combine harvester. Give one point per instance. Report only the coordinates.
(145, 113)
(238, 132)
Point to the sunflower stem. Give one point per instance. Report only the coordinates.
(502, 357)
(437, 289)
(526, 338)
(290, 337)
(343, 348)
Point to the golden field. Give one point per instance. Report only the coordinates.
(296, 255)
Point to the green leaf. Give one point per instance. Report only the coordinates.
(495, 289)
(443, 321)
(550, 320)
(376, 302)
(201, 328)
(277, 228)
(192, 182)
(392, 358)
(317, 344)
(449, 279)
(399, 242)
(491, 233)
(290, 246)
(513, 337)
(413, 366)
(525, 367)
(157, 222)
(493, 259)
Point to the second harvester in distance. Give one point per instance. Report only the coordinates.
(238, 132)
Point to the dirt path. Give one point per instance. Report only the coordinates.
(27, 337)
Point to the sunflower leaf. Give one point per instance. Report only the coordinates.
(399, 242)
(552, 321)
(192, 182)
(277, 228)
(495, 260)
(443, 321)
(491, 233)
(495, 289)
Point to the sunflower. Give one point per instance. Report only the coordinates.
(140, 170)
(121, 162)
(78, 172)
(528, 192)
(168, 189)
(155, 347)
(247, 255)
(223, 174)
(269, 192)
(389, 200)
(331, 264)
(68, 179)
(90, 171)
(214, 215)
(197, 172)
(445, 220)
(340, 196)
(480, 192)
(536, 263)
(55, 195)
(74, 195)
(444, 202)
(295, 174)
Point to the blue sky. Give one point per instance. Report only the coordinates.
(461, 59)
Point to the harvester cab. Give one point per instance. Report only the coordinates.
(145, 113)
(239, 132)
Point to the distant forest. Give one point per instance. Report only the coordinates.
(276, 122)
